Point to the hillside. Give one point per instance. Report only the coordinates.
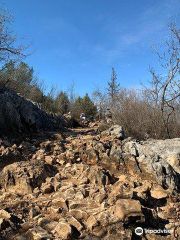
(87, 184)
(21, 116)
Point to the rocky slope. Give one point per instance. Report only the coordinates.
(18, 115)
(83, 184)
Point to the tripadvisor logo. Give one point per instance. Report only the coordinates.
(139, 231)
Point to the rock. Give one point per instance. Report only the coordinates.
(33, 213)
(121, 189)
(157, 159)
(64, 230)
(116, 131)
(47, 188)
(116, 186)
(3, 224)
(47, 224)
(50, 160)
(116, 154)
(128, 208)
(102, 126)
(60, 203)
(23, 177)
(91, 223)
(10, 155)
(19, 115)
(79, 195)
(4, 214)
(78, 214)
(58, 137)
(74, 222)
(158, 193)
(38, 233)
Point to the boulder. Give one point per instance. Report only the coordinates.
(18, 115)
(156, 160)
(117, 132)
(23, 177)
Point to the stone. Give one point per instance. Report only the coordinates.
(33, 213)
(38, 233)
(117, 132)
(116, 186)
(78, 214)
(47, 188)
(50, 160)
(4, 214)
(74, 222)
(23, 177)
(128, 208)
(58, 137)
(47, 224)
(63, 230)
(20, 115)
(60, 203)
(91, 223)
(158, 193)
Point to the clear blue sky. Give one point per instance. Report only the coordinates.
(81, 39)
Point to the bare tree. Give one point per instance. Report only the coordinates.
(10, 50)
(167, 85)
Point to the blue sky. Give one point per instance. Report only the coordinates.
(79, 40)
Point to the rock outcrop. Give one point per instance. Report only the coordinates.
(18, 115)
(82, 185)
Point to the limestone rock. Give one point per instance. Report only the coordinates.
(64, 230)
(23, 177)
(128, 208)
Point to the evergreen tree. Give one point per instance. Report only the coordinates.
(88, 106)
(63, 103)
(113, 88)
(84, 105)
(19, 78)
(78, 107)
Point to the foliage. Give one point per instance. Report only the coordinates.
(62, 103)
(113, 88)
(86, 106)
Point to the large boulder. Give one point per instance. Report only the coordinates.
(115, 131)
(18, 115)
(156, 159)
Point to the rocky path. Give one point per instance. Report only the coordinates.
(82, 184)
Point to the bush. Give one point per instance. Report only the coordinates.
(142, 118)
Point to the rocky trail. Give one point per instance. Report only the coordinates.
(85, 184)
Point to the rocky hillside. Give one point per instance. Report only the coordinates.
(83, 184)
(18, 115)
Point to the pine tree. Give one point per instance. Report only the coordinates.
(88, 106)
(113, 88)
(84, 105)
(62, 103)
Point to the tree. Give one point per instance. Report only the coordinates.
(20, 78)
(84, 105)
(113, 88)
(62, 102)
(166, 86)
(78, 108)
(11, 51)
(88, 106)
(72, 98)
